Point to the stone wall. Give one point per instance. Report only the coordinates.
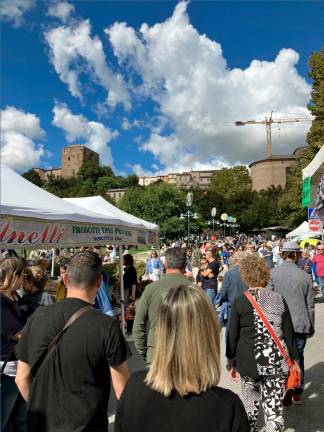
(270, 172)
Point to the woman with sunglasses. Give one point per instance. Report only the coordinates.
(14, 314)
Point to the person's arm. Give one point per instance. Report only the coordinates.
(289, 334)
(310, 303)
(233, 337)
(24, 379)
(207, 272)
(140, 324)
(223, 293)
(119, 378)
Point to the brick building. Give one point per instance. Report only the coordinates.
(273, 171)
(72, 159)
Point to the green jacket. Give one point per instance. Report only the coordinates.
(145, 318)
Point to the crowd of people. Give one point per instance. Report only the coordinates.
(60, 353)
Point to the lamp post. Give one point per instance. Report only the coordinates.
(189, 214)
(213, 221)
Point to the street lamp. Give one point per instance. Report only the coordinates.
(189, 214)
(213, 214)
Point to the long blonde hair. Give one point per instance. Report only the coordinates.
(11, 269)
(187, 346)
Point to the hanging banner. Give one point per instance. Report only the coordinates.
(306, 197)
(16, 233)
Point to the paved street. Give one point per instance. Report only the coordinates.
(306, 418)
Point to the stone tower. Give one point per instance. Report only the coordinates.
(74, 156)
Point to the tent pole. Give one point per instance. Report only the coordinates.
(122, 292)
(53, 262)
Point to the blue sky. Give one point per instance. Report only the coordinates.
(158, 97)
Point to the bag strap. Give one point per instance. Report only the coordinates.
(268, 326)
(71, 320)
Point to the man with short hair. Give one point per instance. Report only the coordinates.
(318, 260)
(145, 318)
(296, 288)
(68, 390)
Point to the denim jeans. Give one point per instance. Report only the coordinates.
(301, 339)
(321, 283)
(211, 294)
(13, 406)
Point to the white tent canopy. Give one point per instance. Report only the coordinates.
(34, 218)
(302, 231)
(103, 207)
(316, 166)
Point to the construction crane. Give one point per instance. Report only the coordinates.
(268, 121)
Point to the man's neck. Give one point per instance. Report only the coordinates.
(81, 294)
(174, 271)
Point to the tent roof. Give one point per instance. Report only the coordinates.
(301, 231)
(316, 167)
(21, 198)
(103, 207)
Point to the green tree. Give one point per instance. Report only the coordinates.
(229, 181)
(33, 177)
(160, 203)
(290, 202)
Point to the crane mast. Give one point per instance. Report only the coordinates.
(268, 121)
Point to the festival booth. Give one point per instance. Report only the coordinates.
(313, 192)
(313, 177)
(301, 232)
(104, 208)
(32, 218)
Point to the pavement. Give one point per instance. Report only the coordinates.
(308, 417)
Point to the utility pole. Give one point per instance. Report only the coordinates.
(268, 121)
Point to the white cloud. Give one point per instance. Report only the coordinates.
(13, 10)
(187, 75)
(19, 130)
(74, 51)
(61, 10)
(95, 135)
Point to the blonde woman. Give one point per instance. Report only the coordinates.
(14, 314)
(180, 390)
(252, 352)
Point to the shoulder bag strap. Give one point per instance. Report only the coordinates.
(73, 318)
(268, 326)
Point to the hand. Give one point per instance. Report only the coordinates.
(235, 376)
(132, 298)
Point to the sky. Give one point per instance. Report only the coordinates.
(154, 86)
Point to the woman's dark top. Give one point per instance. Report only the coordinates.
(248, 341)
(14, 316)
(130, 277)
(142, 409)
(211, 282)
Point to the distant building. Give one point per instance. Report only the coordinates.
(185, 180)
(116, 194)
(72, 159)
(273, 171)
(74, 156)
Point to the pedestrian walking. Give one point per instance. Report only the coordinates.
(296, 287)
(252, 351)
(318, 260)
(180, 390)
(145, 318)
(34, 283)
(68, 388)
(14, 314)
(210, 276)
(154, 267)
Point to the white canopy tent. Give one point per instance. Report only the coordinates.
(34, 218)
(315, 167)
(103, 207)
(301, 231)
